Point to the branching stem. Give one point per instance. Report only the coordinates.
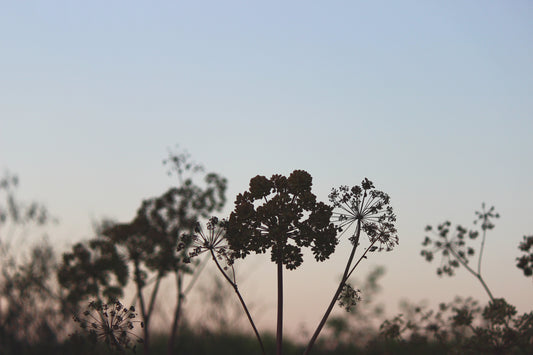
(477, 275)
(345, 276)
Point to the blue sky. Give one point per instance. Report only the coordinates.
(431, 100)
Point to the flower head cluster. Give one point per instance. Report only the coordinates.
(111, 323)
(349, 297)
(452, 245)
(368, 207)
(525, 262)
(281, 214)
(485, 217)
(214, 240)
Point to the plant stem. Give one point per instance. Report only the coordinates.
(177, 314)
(279, 332)
(481, 252)
(146, 317)
(234, 285)
(196, 275)
(154, 294)
(339, 290)
(180, 299)
(361, 258)
(477, 275)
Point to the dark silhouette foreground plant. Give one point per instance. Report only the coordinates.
(282, 215)
(110, 323)
(214, 242)
(370, 211)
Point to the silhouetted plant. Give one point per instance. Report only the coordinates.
(368, 210)
(150, 240)
(281, 214)
(525, 262)
(449, 324)
(110, 323)
(454, 248)
(31, 313)
(466, 328)
(93, 269)
(215, 243)
(16, 216)
(498, 329)
(28, 299)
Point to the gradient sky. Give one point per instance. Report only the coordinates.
(430, 100)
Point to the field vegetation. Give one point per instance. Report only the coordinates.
(73, 303)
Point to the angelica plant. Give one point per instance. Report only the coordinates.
(501, 330)
(454, 246)
(281, 215)
(359, 209)
(214, 242)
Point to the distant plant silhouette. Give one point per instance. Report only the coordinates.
(28, 299)
(453, 246)
(17, 217)
(525, 262)
(495, 328)
(94, 269)
(150, 240)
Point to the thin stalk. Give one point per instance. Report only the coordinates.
(360, 259)
(339, 290)
(279, 332)
(177, 314)
(146, 318)
(196, 275)
(154, 294)
(481, 252)
(234, 285)
(180, 299)
(478, 276)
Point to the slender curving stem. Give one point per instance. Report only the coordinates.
(477, 275)
(234, 285)
(337, 292)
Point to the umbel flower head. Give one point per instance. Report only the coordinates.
(368, 207)
(212, 241)
(349, 297)
(111, 323)
(525, 262)
(281, 214)
(452, 244)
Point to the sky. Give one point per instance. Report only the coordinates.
(430, 100)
